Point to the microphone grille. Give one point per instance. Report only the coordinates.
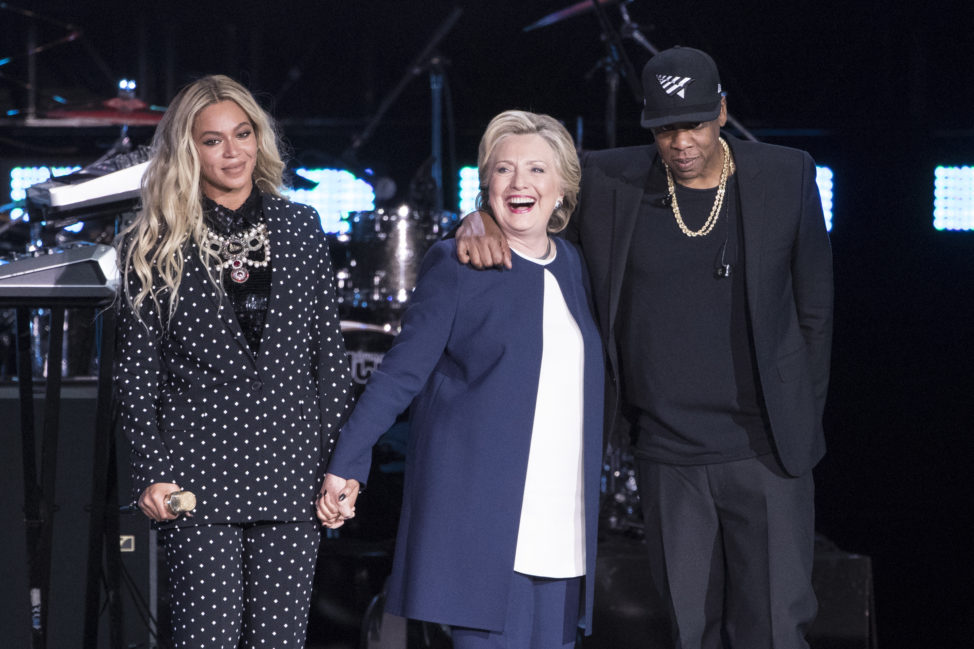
(180, 502)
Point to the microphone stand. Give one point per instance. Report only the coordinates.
(436, 65)
(429, 60)
(616, 64)
(630, 30)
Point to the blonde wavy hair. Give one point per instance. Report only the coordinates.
(520, 122)
(153, 248)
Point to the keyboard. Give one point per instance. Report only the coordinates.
(109, 180)
(77, 271)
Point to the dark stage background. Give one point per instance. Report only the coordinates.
(879, 91)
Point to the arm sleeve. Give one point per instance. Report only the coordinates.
(406, 367)
(139, 376)
(332, 375)
(571, 232)
(812, 282)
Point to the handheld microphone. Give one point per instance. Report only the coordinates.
(181, 502)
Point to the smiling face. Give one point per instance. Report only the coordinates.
(692, 151)
(227, 148)
(524, 185)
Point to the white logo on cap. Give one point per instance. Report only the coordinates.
(674, 85)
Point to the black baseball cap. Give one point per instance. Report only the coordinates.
(680, 84)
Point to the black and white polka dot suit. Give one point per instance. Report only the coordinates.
(250, 436)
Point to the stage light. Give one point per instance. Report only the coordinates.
(469, 188)
(823, 178)
(23, 177)
(337, 193)
(953, 198)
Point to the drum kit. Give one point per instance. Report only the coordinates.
(376, 265)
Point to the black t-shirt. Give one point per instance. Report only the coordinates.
(685, 346)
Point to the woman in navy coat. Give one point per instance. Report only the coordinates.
(231, 376)
(497, 534)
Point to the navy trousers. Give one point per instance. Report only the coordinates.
(541, 614)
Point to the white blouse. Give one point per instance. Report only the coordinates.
(551, 536)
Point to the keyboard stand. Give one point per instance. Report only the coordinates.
(39, 483)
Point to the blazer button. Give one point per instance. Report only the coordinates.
(256, 386)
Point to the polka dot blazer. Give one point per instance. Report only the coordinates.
(248, 435)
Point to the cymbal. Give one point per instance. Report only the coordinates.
(114, 111)
(575, 10)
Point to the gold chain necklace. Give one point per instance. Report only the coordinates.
(718, 200)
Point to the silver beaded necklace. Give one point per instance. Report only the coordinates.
(235, 250)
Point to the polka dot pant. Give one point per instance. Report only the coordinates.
(241, 585)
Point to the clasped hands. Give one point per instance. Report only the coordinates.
(336, 502)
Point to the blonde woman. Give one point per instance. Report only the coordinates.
(497, 535)
(231, 372)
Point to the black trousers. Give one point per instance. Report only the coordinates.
(731, 549)
(241, 586)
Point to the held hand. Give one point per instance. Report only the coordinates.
(152, 502)
(481, 243)
(347, 498)
(336, 502)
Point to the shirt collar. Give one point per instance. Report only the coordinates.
(224, 220)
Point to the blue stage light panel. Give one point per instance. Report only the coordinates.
(23, 177)
(338, 192)
(953, 198)
(469, 188)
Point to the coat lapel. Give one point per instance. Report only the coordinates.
(219, 304)
(627, 195)
(753, 215)
(277, 223)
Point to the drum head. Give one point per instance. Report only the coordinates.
(365, 345)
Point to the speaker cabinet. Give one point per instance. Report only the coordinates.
(134, 599)
(627, 613)
(846, 610)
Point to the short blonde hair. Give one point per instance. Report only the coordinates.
(152, 248)
(520, 122)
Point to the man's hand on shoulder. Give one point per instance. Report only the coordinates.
(480, 242)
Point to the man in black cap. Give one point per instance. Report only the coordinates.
(711, 275)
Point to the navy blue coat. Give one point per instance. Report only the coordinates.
(470, 348)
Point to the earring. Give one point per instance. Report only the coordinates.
(558, 204)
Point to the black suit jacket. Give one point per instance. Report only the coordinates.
(248, 435)
(787, 265)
